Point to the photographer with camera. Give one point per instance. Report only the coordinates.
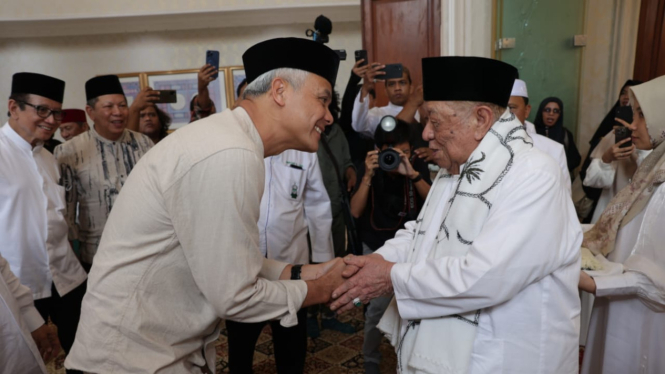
(390, 192)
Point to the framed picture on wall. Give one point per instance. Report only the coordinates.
(131, 85)
(185, 83)
(236, 75)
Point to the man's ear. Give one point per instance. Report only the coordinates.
(484, 121)
(527, 111)
(12, 108)
(278, 91)
(90, 110)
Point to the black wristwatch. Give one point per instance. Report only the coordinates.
(295, 272)
(417, 179)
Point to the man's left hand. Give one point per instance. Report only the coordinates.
(587, 283)
(424, 153)
(370, 281)
(405, 168)
(351, 178)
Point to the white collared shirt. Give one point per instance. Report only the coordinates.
(32, 218)
(18, 318)
(365, 120)
(294, 202)
(552, 149)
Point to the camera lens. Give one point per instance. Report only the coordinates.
(389, 159)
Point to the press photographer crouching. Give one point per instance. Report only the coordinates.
(384, 201)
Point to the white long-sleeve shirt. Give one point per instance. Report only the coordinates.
(18, 318)
(612, 177)
(294, 202)
(33, 228)
(628, 318)
(522, 271)
(551, 148)
(365, 120)
(180, 251)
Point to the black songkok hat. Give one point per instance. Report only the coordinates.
(38, 84)
(103, 85)
(295, 53)
(467, 79)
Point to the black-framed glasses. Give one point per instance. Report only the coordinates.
(44, 112)
(550, 110)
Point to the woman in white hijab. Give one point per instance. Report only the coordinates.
(628, 320)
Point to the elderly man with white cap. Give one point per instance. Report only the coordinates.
(485, 278)
(519, 105)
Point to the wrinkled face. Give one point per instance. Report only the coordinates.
(71, 129)
(109, 115)
(624, 99)
(28, 124)
(149, 122)
(551, 114)
(398, 90)
(640, 133)
(307, 112)
(450, 134)
(518, 107)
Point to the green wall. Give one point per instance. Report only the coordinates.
(544, 53)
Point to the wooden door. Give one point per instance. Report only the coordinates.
(401, 31)
(650, 52)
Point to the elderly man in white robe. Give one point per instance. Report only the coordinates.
(485, 279)
(180, 250)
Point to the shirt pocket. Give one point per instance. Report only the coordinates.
(292, 182)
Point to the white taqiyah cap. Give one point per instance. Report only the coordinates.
(519, 89)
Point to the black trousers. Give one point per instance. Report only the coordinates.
(290, 345)
(65, 312)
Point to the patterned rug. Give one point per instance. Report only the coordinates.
(331, 353)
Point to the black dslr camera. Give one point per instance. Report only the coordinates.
(389, 159)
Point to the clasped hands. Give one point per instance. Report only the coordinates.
(354, 277)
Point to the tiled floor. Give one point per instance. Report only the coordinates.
(331, 353)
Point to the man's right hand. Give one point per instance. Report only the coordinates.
(145, 98)
(371, 163)
(320, 290)
(206, 75)
(47, 342)
(368, 79)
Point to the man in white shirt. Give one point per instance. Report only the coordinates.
(294, 203)
(485, 279)
(180, 250)
(24, 337)
(32, 204)
(96, 164)
(519, 105)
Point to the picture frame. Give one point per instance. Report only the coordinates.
(131, 83)
(185, 83)
(236, 75)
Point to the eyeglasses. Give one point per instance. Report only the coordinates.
(550, 110)
(45, 112)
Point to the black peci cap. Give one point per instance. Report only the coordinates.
(295, 53)
(467, 79)
(38, 84)
(103, 85)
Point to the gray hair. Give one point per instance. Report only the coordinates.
(262, 84)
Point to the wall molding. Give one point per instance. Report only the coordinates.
(235, 17)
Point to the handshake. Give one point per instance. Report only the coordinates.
(348, 282)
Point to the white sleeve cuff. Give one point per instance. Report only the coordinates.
(272, 269)
(33, 320)
(399, 275)
(617, 285)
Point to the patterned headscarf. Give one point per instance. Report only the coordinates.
(631, 200)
